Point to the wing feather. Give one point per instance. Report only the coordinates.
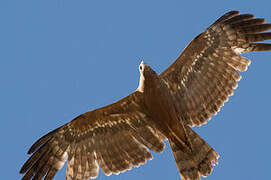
(115, 138)
(206, 73)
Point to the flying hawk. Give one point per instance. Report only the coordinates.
(119, 136)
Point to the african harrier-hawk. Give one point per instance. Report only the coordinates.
(119, 136)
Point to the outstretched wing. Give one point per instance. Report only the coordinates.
(206, 73)
(114, 138)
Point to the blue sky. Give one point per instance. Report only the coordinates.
(61, 58)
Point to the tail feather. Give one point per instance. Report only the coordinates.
(198, 163)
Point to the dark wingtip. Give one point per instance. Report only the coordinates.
(32, 148)
(41, 141)
(225, 17)
(231, 13)
(30, 151)
(23, 170)
(260, 47)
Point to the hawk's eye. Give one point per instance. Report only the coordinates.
(140, 67)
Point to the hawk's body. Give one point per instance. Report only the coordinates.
(185, 143)
(119, 136)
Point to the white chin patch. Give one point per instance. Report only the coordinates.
(141, 84)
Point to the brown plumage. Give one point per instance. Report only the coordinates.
(117, 137)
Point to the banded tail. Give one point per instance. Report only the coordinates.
(199, 162)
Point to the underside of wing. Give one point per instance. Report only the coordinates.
(115, 138)
(206, 73)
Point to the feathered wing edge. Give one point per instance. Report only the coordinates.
(206, 73)
(114, 138)
(48, 157)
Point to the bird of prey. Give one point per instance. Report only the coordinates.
(165, 106)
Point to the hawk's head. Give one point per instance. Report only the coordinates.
(147, 75)
(145, 70)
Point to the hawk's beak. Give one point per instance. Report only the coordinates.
(142, 63)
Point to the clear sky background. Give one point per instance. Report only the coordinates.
(61, 58)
